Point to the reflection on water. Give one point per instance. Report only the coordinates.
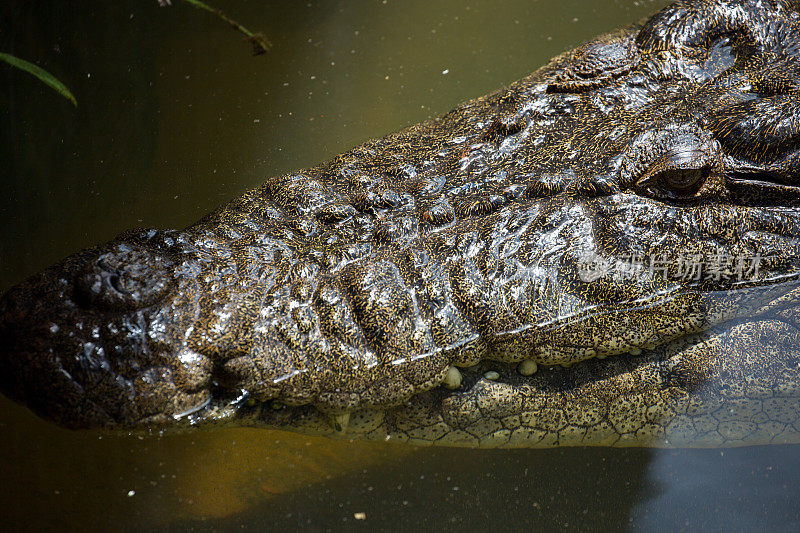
(749, 489)
(175, 118)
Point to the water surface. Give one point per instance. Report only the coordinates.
(174, 118)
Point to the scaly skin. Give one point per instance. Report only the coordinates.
(410, 289)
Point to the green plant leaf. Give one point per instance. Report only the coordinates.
(44, 76)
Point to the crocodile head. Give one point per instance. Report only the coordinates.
(604, 252)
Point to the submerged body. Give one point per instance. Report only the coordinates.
(604, 252)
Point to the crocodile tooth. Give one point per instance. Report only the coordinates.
(635, 351)
(528, 367)
(339, 422)
(491, 375)
(452, 380)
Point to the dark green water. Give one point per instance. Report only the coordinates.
(174, 118)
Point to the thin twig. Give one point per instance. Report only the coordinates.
(260, 43)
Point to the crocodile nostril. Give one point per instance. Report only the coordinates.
(124, 278)
(114, 279)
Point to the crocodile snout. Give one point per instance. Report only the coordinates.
(98, 340)
(33, 369)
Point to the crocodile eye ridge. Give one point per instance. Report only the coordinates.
(675, 164)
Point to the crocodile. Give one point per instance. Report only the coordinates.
(605, 252)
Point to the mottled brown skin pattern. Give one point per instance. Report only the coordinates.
(404, 290)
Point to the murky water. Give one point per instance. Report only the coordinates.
(174, 118)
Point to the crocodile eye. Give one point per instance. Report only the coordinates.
(683, 172)
(675, 183)
(684, 180)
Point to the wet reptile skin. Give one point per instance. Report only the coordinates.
(404, 290)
